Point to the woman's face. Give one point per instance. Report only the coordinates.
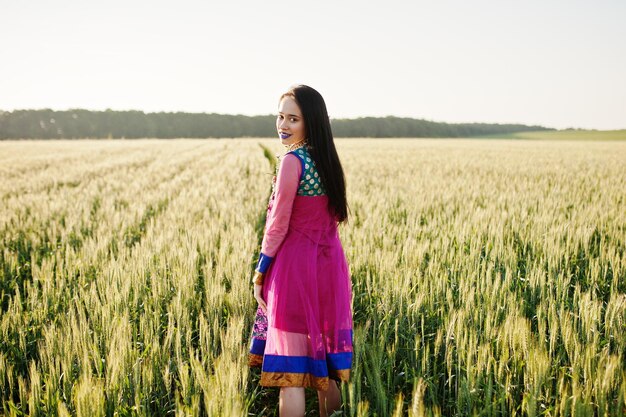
(289, 122)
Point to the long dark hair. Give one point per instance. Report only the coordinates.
(322, 147)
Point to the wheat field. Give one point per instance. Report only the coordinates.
(489, 277)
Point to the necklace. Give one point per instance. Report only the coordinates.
(295, 145)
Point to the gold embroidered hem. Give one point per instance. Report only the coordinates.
(340, 375)
(292, 379)
(255, 360)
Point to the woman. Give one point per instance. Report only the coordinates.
(302, 335)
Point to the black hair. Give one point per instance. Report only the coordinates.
(322, 147)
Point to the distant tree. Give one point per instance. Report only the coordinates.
(79, 123)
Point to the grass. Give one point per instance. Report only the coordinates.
(489, 277)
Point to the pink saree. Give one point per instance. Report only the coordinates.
(306, 336)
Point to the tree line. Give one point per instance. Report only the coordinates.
(81, 124)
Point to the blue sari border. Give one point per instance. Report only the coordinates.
(305, 364)
(257, 347)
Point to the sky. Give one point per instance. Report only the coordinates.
(554, 63)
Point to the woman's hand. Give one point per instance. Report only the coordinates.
(258, 295)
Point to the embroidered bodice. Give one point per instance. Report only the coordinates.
(310, 182)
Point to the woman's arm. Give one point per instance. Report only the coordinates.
(277, 222)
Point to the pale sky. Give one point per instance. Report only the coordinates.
(556, 63)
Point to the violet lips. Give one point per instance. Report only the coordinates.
(284, 135)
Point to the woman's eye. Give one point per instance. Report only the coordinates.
(293, 120)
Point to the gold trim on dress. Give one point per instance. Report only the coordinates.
(292, 379)
(339, 375)
(255, 360)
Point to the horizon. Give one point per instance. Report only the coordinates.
(556, 65)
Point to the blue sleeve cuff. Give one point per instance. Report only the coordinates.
(264, 263)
